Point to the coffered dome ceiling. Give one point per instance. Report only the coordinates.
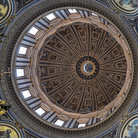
(72, 67)
(81, 68)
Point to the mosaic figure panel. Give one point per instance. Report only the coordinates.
(128, 6)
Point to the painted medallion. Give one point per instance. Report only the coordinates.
(9, 131)
(130, 128)
(6, 8)
(127, 6)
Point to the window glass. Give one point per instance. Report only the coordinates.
(33, 31)
(26, 94)
(51, 16)
(22, 50)
(94, 14)
(39, 111)
(81, 125)
(59, 122)
(72, 10)
(20, 72)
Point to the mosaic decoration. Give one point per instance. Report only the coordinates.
(127, 6)
(9, 131)
(134, 23)
(6, 9)
(22, 3)
(3, 107)
(111, 134)
(130, 128)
